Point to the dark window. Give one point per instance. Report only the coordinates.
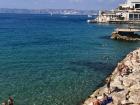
(131, 16)
(136, 16)
(137, 5)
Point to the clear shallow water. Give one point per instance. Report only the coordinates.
(55, 60)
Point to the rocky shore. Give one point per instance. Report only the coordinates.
(117, 36)
(124, 85)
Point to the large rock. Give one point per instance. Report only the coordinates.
(127, 82)
(117, 82)
(135, 87)
(126, 89)
(117, 36)
(118, 97)
(135, 96)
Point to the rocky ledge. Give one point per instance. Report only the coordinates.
(124, 84)
(118, 36)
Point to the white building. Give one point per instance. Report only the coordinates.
(129, 11)
(131, 4)
(134, 4)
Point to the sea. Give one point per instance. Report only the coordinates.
(55, 60)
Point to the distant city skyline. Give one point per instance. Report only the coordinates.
(61, 4)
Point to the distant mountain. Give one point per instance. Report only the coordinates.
(49, 11)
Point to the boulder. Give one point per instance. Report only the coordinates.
(118, 97)
(127, 82)
(126, 89)
(134, 96)
(135, 87)
(117, 36)
(117, 82)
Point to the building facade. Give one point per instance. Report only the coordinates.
(129, 11)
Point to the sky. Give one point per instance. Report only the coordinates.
(61, 4)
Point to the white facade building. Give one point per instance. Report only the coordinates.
(134, 4)
(131, 4)
(129, 11)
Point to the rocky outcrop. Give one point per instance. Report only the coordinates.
(125, 85)
(117, 36)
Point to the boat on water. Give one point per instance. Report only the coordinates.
(89, 16)
(91, 21)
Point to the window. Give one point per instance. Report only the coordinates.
(131, 16)
(136, 16)
(137, 5)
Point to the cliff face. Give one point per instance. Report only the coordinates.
(125, 82)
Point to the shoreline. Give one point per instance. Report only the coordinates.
(128, 85)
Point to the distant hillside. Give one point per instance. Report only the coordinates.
(49, 11)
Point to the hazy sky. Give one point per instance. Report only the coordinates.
(75, 4)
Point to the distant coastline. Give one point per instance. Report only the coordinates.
(49, 11)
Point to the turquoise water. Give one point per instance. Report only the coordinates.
(55, 60)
